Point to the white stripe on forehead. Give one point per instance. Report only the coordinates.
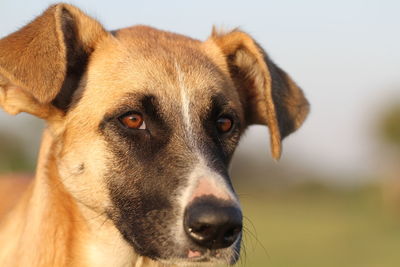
(185, 102)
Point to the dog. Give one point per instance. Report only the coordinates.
(141, 127)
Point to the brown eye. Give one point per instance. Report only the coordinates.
(224, 124)
(133, 121)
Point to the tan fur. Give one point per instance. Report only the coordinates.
(60, 220)
(35, 72)
(12, 186)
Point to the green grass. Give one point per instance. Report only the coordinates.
(320, 227)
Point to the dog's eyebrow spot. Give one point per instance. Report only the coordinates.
(218, 101)
(151, 107)
(220, 106)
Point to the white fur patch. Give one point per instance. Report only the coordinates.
(185, 103)
(202, 174)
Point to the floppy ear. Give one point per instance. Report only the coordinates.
(41, 64)
(269, 96)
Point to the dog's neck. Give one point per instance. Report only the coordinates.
(50, 228)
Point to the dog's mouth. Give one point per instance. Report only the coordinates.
(196, 257)
(152, 236)
(226, 256)
(188, 254)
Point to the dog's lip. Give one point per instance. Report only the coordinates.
(194, 254)
(204, 258)
(199, 255)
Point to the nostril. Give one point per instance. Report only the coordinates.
(212, 224)
(232, 233)
(201, 231)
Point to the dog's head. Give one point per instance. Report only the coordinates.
(145, 123)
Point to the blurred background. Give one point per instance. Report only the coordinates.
(334, 197)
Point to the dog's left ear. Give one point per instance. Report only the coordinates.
(41, 64)
(269, 96)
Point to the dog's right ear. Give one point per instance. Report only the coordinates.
(269, 96)
(41, 64)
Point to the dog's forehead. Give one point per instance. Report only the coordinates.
(169, 66)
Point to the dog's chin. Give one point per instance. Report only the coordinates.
(189, 257)
(204, 257)
(204, 260)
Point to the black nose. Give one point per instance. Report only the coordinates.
(213, 223)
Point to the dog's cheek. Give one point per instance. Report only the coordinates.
(146, 225)
(142, 219)
(81, 168)
(144, 196)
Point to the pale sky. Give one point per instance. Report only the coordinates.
(344, 54)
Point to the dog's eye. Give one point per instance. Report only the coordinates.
(133, 121)
(224, 124)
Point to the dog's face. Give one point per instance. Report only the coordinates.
(147, 122)
(153, 137)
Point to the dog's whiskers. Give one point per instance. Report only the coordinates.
(247, 233)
